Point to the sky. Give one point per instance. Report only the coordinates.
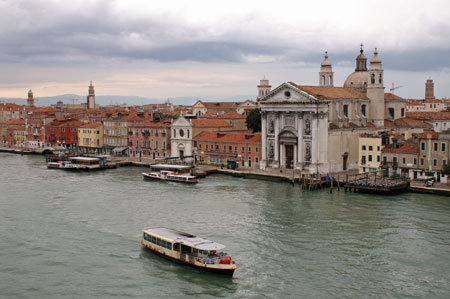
(216, 49)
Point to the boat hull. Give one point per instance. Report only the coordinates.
(152, 178)
(228, 272)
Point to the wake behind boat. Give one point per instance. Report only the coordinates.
(188, 249)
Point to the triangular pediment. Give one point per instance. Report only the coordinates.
(288, 93)
(181, 122)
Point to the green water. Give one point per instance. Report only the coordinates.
(77, 235)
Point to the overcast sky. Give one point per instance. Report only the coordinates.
(215, 49)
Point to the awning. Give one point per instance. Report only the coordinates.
(119, 149)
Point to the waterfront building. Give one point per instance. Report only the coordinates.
(10, 111)
(434, 152)
(220, 147)
(36, 121)
(369, 152)
(150, 139)
(294, 130)
(90, 137)
(335, 116)
(117, 130)
(63, 132)
(402, 159)
(5, 125)
(181, 138)
(20, 136)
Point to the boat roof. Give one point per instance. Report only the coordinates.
(171, 166)
(84, 158)
(184, 238)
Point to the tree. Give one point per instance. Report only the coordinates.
(253, 120)
(446, 169)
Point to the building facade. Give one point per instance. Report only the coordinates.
(294, 130)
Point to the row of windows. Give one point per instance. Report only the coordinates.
(230, 148)
(88, 131)
(370, 148)
(422, 161)
(363, 159)
(181, 133)
(158, 241)
(62, 129)
(435, 146)
(115, 124)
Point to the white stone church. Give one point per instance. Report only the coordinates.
(313, 128)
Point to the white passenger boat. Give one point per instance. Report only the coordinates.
(188, 249)
(80, 163)
(170, 176)
(172, 173)
(61, 165)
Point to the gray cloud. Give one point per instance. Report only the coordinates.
(43, 32)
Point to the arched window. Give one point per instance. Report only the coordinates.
(381, 79)
(363, 110)
(174, 133)
(373, 78)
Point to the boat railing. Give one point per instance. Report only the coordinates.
(212, 259)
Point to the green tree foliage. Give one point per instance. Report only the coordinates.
(446, 169)
(253, 120)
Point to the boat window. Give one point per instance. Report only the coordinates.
(158, 241)
(169, 245)
(154, 239)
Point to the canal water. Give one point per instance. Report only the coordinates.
(77, 235)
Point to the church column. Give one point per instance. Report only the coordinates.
(299, 152)
(314, 145)
(276, 162)
(263, 139)
(323, 145)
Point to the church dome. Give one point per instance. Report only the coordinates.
(357, 80)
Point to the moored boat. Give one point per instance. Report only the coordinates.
(188, 249)
(170, 176)
(81, 163)
(172, 173)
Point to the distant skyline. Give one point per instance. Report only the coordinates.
(215, 50)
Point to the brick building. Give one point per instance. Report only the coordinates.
(243, 148)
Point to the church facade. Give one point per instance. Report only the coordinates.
(315, 129)
(294, 130)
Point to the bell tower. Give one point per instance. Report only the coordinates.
(375, 91)
(91, 97)
(326, 72)
(263, 88)
(30, 101)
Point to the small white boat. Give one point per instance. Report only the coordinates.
(166, 175)
(61, 165)
(188, 249)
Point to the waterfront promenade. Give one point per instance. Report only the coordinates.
(287, 175)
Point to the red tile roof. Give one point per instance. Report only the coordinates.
(404, 148)
(230, 115)
(151, 124)
(209, 123)
(229, 137)
(392, 97)
(443, 115)
(331, 93)
(14, 122)
(407, 123)
(91, 125)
